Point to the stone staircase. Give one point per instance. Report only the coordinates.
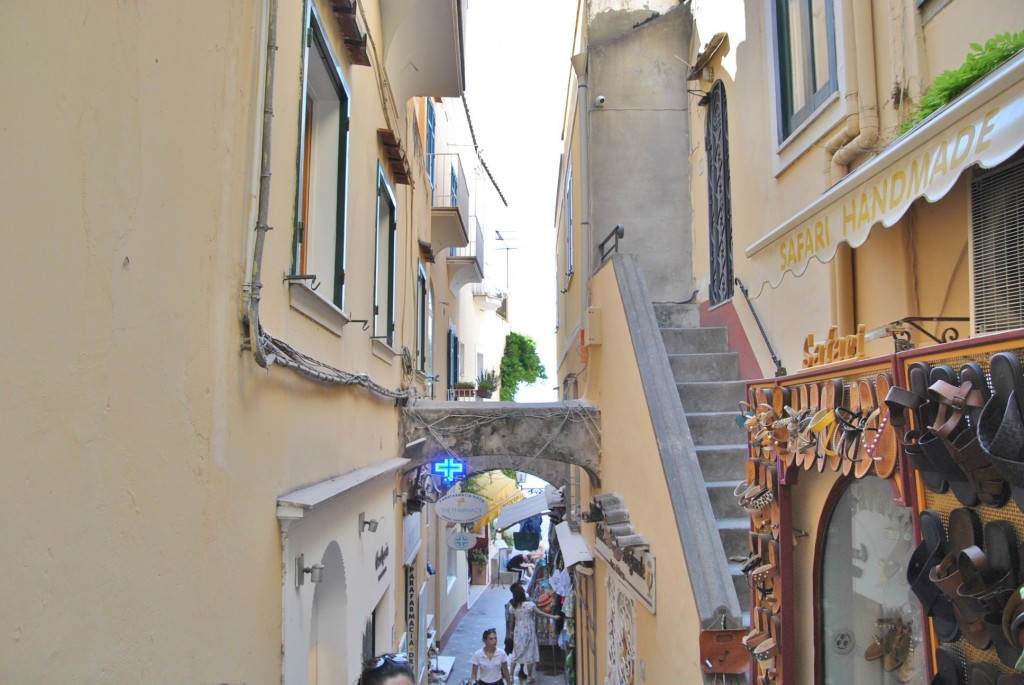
(707, 376)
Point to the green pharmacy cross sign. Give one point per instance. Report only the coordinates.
(449, 468)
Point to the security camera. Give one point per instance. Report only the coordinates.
(599, 101)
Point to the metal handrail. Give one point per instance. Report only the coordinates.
(616, 233)
(780, 370)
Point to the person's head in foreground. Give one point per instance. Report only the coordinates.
(388, 669)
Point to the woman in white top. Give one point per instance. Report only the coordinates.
(490, 664)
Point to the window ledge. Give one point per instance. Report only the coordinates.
(305, 300)
(384, 351)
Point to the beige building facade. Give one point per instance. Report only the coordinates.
(249, 253)
(799, 204)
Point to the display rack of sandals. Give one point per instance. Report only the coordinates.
(908, 472)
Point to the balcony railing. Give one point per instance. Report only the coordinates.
(450, 200)
(475, 249)
(466, 264)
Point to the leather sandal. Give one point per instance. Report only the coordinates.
(1001, 422)
(947, 667)
(914, 400)
(965, 531)
(882, 449)
(935, 439)
(928, 554)
(831, 396)
(869, 429)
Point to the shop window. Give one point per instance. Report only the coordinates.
(997, 225)
(863, 589)
(805, 59)
(323, 161)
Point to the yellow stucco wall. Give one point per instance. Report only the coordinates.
(631, 466)
(145, 449)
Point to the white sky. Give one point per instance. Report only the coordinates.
(517, 73)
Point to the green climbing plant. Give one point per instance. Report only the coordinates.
(519, 365)
(951, 83)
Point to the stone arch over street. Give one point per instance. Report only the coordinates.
(543, 439)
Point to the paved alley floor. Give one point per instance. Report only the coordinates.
(488, 611)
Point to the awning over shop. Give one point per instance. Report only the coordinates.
(500, 491)
(984, 126)
(531, 506)
(573, 545)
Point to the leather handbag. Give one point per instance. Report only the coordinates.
(721, 651)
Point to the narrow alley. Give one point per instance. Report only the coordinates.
(487, 610)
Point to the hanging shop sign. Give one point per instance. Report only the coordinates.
(634, 566)
(461, 507)
(834, 348)
(449, 469)
(461, 540)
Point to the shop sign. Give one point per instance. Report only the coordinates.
(461, 540)
(635, 567)
(983, 127)
(834, 348)
(461, 507)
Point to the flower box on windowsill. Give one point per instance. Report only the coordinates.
(464, 393)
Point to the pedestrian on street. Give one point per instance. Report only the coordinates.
(525, 651)
(490, 664)
(388, 669)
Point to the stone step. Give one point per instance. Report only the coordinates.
(713, 366)
(691, 340)
(677, 315)
(735, 534)
(742, 585)
(722, 462)
(724, 502)
(715, 395)
(715, 428)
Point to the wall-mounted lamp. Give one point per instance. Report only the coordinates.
(316, 571)
(367, 524)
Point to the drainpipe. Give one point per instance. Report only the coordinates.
(253, 310)
(866, 91)
(579, 65)
(851, 98)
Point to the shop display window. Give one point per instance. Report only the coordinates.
(870, 619)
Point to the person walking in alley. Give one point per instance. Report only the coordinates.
(525, 651)
(490, 664)
(388, 669)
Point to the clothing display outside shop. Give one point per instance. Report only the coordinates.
(929, 440)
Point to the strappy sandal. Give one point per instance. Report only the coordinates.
(824, 423)
(915, 401)
(882, 449)
(935, 439)
(869, 429)
(885, 633)
(928, 554)
(989, 578)
(965, 531)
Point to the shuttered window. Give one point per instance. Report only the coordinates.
(997, 225)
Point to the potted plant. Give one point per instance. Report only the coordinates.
(464, 389)
(478, 566)
(487, 383)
